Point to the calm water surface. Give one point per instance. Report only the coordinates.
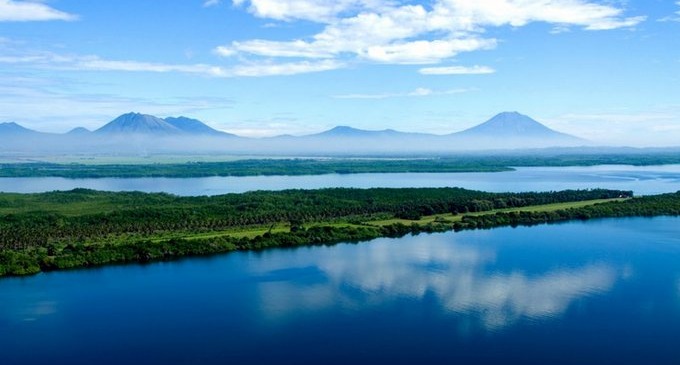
(596, 292)
(640, 179)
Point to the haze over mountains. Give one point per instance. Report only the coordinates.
(135, 133)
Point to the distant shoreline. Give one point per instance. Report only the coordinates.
(321, 166)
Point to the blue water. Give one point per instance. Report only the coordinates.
(595, 292)
(640, 179)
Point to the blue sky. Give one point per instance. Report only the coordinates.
(604, 70)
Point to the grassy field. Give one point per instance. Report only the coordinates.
(450, 218)
(251, 232)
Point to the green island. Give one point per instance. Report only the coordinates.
(163, 167)
(82, 228)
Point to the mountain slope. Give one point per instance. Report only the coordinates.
(514, 130)
(14, 129)
(136, 123)
(193, 126)
(512, 124)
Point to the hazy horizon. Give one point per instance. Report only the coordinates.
(95, 127)
(600, 70)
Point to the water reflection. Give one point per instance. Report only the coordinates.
(502, 299)
(464, 279)
(34, 311)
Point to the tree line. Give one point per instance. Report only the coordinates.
(311, 166)
(84, 227)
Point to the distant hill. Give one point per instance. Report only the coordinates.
(349, 132)
(78, 131)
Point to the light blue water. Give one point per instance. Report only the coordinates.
(595, 292)
(640, 179)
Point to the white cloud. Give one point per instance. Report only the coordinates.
(672, 18)
(517, 13)
(399, 32)
(421, 91)
(314, 10)
(457, 70)
(224, 51)
(289, 68)
(24, 11)
(266, 48)
(421, 51)
(209, 3)
(47, 60)
(98, 64)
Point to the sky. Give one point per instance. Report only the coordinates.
(608, 71)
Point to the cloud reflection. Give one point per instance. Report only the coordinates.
(462, 278)
(32, 310)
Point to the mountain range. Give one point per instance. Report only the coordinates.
(132, 132)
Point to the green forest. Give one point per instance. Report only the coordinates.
(301, 166)
(80, 228)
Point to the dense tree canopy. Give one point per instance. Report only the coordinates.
(84, 227)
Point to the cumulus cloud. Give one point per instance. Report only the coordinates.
(314, 10)
(25, 11)
(398, 32)
(517, 13)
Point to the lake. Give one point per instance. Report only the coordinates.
(595, 292)
(640, 179)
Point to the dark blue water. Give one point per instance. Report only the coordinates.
(642, 180)
(596, 292)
